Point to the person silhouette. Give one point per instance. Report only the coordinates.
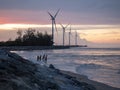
(40, 57)
(37, 58)
(45, 58)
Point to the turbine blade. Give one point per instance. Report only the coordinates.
(66, 25)
(50, 15)
(61, 25)
(56, 13)
(55, 27)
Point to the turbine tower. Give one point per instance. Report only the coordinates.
(64, 27)
(76, 35)
(69, 35)
(53, 23)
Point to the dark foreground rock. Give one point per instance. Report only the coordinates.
(17, 73)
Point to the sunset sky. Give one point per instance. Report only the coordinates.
(97, 21)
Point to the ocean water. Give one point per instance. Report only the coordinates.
(99, 64)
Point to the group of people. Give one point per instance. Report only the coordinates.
(42, 58)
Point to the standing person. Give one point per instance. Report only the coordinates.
(40, 57)
(45, 58)
(37, 58)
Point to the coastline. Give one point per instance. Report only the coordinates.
(17, 72)
(97, 85)
(19, 48)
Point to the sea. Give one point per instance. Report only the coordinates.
(98, 64)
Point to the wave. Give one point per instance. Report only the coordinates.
(118, 71)
(91, 66)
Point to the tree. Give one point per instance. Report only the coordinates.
(19, 33)
(30, 37)
(19, 38)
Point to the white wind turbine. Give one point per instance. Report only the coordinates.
(64, 28)
(53, 23)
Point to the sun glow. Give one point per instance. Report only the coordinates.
(92, 33)
(17, 26)
(74, 27)
(102, 36)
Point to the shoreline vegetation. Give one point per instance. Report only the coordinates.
(17, 73)
(29, 37)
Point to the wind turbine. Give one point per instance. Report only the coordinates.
(64, 28)
(53, 23)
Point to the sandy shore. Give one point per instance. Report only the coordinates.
(97, 85)
(17, 73)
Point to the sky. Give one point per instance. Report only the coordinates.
(96, 21)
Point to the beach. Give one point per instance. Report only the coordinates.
(98, 64)
(97, 85)
(21, 74)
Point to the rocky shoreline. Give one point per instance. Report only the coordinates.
(17, 73)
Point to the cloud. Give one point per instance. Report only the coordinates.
(95, 27)
(67, 5)
(112, 33)
(22, 16)
(6, 35)
(80, 11)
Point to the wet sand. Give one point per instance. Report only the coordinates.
(97, 85)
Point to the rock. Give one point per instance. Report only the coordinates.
(51, 66)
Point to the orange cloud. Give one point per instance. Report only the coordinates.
(22, 16)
